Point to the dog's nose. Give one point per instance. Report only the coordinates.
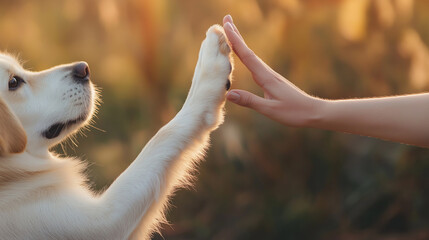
(81, 71)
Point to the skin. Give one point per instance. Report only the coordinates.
(402, 119)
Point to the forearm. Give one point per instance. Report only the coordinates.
(159, 168)
(401, 118)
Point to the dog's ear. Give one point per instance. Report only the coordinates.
(12, 135)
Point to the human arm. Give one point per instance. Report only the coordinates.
(400, 118)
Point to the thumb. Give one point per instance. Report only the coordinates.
(247, 99)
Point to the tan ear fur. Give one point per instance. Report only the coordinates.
(12, 135)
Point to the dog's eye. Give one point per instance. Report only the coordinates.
(15, 83)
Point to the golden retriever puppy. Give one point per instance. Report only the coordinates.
(43, 196)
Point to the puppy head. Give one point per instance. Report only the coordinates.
(12, 136)
(50, 104)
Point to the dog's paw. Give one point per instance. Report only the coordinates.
(212, 76)
(217, 58)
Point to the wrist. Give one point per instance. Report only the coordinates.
(316, 112)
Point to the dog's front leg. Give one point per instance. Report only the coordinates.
(136, 199)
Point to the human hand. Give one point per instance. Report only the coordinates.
(398, 118)
(282, 101)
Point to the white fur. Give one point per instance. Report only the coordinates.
(45, 197)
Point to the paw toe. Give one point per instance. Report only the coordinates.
(222, 41)
(223, 45)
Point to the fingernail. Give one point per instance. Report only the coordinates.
(233, 96)
(228, 25)
(230, 17)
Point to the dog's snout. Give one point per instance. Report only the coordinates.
(81, 71)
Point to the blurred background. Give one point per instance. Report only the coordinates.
(260, 180)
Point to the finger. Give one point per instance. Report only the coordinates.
(229, 19)
(246, 55)
(247, 99)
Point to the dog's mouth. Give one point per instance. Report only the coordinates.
(56, 129)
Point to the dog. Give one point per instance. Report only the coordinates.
(44, 196)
